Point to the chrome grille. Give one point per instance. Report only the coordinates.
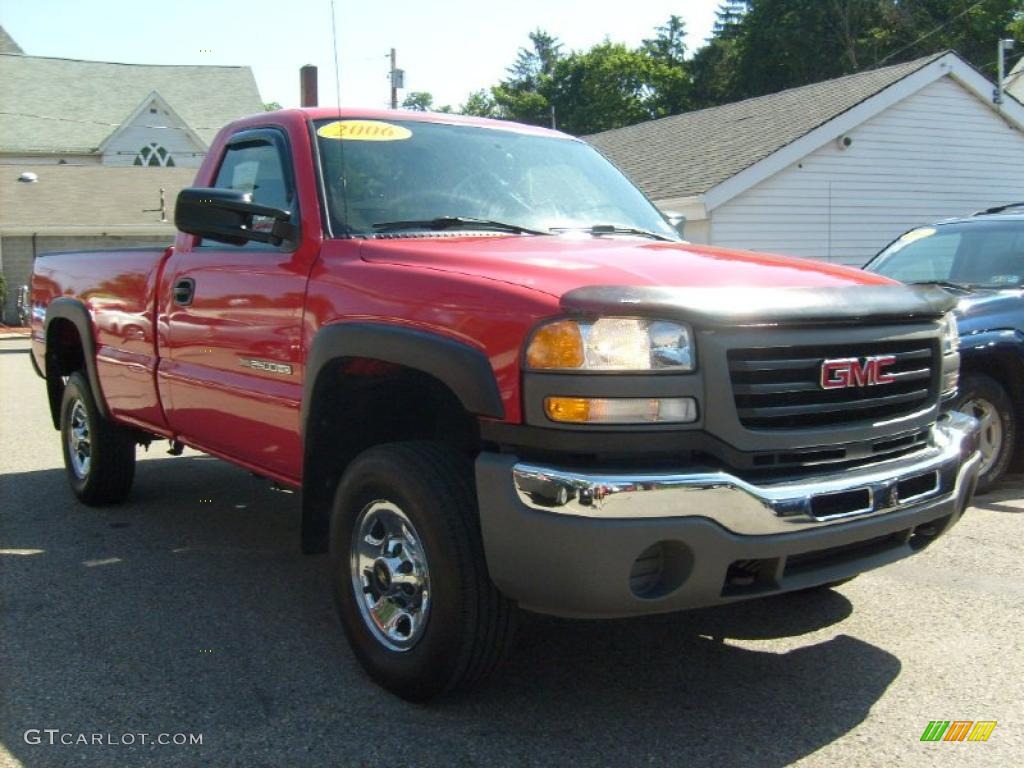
(777, 388)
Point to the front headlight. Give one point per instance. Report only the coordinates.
(612, 344)
(949, 334)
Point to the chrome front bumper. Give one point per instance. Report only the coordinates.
(755, 509)
(581, 543)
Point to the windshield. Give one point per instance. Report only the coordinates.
(410, 173)
(978, 254)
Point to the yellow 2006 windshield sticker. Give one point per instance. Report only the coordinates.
(363, 130)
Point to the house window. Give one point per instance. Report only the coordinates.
(155, 155)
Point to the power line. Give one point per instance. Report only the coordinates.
(926, 35)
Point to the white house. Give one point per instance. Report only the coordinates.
(93, 153)
(833, 170)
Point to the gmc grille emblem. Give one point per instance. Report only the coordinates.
(856, 372)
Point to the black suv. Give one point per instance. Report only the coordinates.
(979, 259)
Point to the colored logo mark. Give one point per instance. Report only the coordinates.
(958, 730)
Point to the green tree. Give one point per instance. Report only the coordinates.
(418, 101)
(914, 28)
(670, 80)
(764, 46)
(480, 104)
(521, 96)
(538, 61)
(272, 106)
(713, 67)
(607, 87)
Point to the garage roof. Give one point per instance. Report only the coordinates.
(688, 154)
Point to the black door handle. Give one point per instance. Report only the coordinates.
(184, 290)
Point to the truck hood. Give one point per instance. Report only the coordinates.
(556, 265)
(702, 283)
(983, 310)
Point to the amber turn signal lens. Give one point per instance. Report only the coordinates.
(621, 410)
(574, 410)
(556, 345)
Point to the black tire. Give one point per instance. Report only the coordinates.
(469, 626)
(106, 478)
(985, 398)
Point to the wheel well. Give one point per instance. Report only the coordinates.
(1005, 367)
(64, 355)
(358, 403)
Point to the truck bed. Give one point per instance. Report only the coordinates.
(118, 288)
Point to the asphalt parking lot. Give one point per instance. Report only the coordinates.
(189, 610)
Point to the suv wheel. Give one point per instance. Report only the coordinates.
(985, 399)
(410, 578)
(99, 455)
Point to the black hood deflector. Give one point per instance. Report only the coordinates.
(766, 306)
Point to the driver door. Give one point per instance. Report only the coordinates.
(232, 373)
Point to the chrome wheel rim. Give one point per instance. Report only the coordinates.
(390, 577)
(79, 440)
(991, 437)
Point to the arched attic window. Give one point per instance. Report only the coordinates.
(155, 155)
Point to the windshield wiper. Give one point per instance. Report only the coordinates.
(614, 229)
(944, 284)
(454, 222)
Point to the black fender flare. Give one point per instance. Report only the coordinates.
(463, 369)
(75, 312)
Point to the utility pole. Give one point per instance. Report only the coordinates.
(1004, 46)
(397, 81)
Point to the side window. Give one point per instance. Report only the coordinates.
(256, 167)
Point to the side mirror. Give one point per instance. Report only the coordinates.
(230, 216)
(677, 220)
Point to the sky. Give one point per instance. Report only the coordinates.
(447, 47)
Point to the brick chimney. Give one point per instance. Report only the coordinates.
(308, 93)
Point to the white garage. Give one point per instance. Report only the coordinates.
(833, 170)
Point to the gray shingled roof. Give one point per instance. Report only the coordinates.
(66, 105)
(7, 44)
(688, 154)
(88, 195)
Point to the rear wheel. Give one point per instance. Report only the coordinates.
(99, 455)
(985, 399)
(410, 578)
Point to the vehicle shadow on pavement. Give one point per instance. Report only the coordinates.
(189, 609)
(997, 500)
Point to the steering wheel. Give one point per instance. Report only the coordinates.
(437, 202)
(491, 190)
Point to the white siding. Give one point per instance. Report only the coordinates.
(936, 154)
(157, 126)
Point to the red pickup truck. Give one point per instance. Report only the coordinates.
(501, 379)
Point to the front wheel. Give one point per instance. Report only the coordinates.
(410, 579)
(985, 399)
(99, 455)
